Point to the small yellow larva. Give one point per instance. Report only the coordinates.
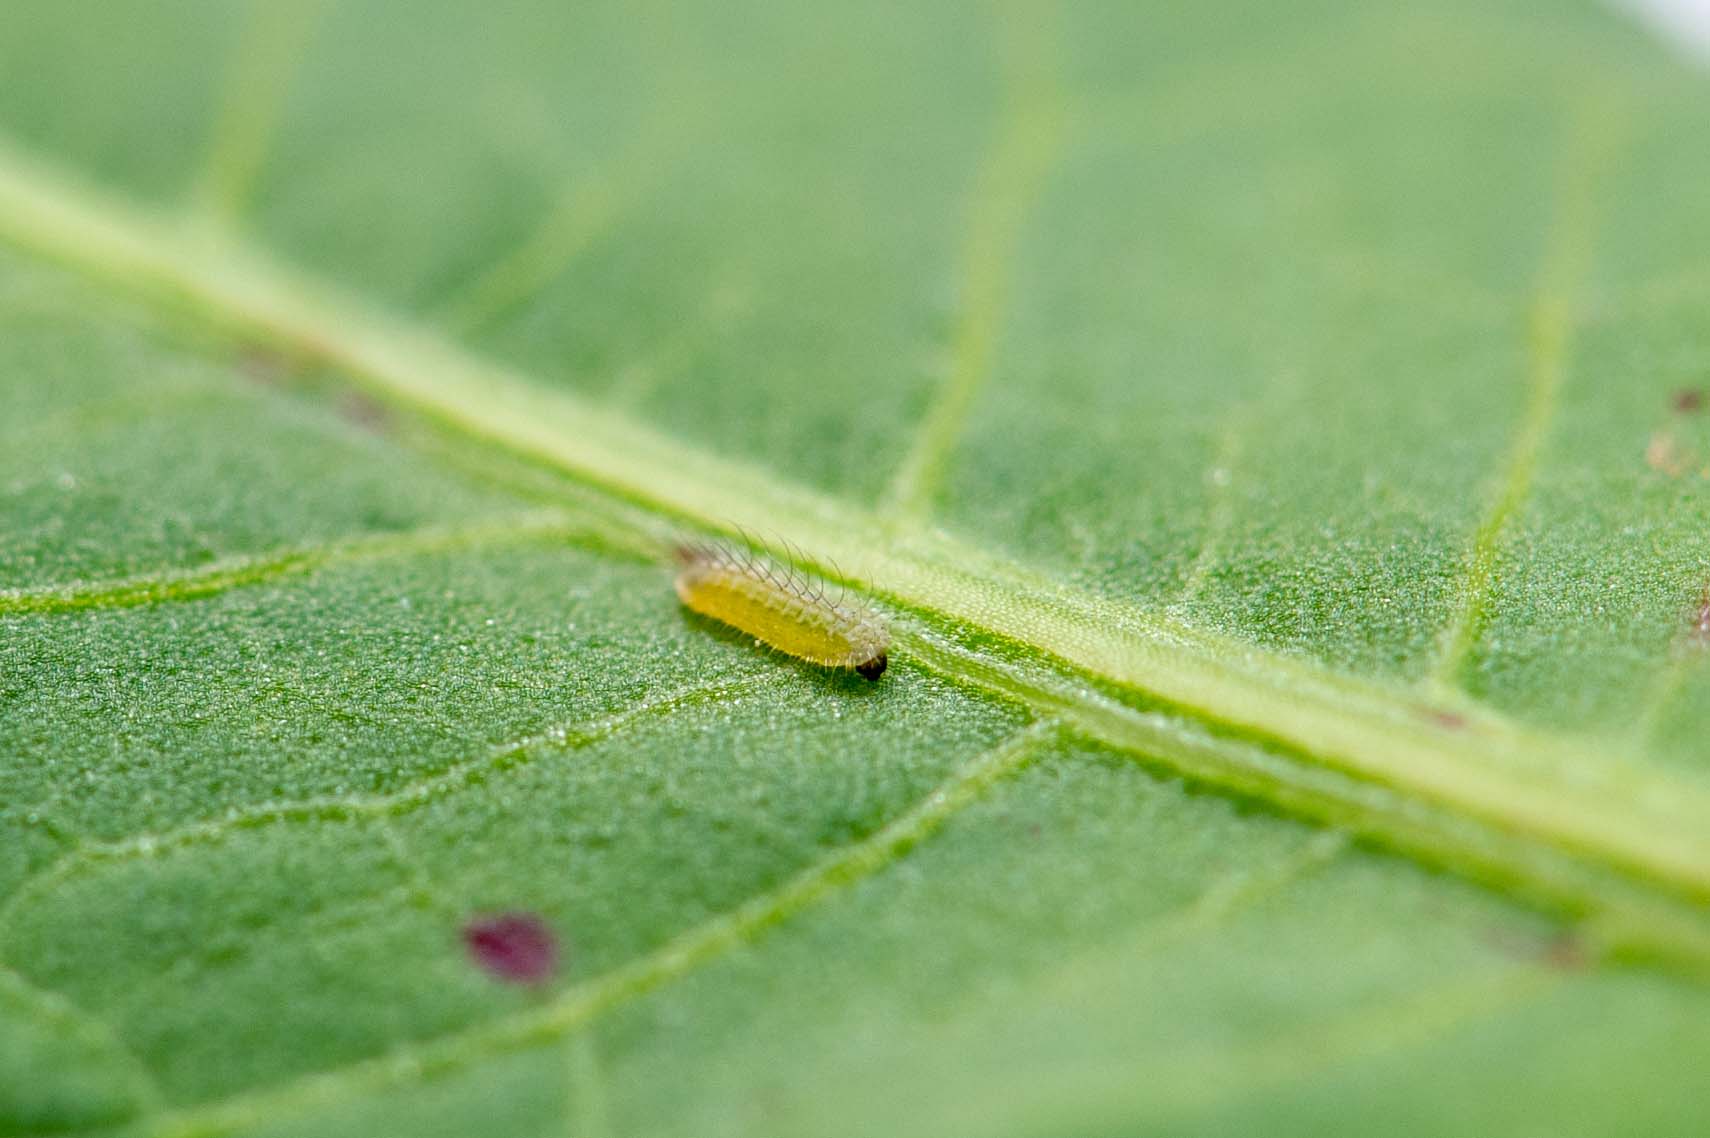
(781, 608)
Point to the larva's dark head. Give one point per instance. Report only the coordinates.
(873, 668)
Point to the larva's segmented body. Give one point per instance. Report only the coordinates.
(781, 608)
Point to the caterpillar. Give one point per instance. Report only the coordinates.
(781, 608)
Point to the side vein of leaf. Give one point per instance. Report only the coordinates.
(415, 870)
(1410, 1022)
(1220, 516)
(1029, 142)
(590, 204)
(51, 1008)
(1544, 793)
(258, 78)
(343, 808)
(1615, 916)
(1241, 889)
(1224, 900)
(1592, 138)
(1197, 1082)
(320, 926)
(1686, 656)
(584, 1002)
(238, 572)
(585, 1096)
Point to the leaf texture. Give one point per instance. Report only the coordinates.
(1277, 437)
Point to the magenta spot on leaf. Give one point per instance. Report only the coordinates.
(516, 947)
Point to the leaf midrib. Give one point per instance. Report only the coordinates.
(1643, 822)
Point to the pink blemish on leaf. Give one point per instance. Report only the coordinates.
(1562, 950)
(1567, 953)
(518, 948)
(1452, 720)
(1665, 455)
(357, 408)
(1701, 618)
(264, 365)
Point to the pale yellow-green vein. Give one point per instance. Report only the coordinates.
(585, 1113)
(1029, 140)
(53, 1010)
(1614, 915)
(1099, 1097)
(1542, 793)
(594, 201)
(258, 78)
(240, 571)
(674, 960)
(1592, 137)
(1233, 893)
(1687, 656)
(586, 208)
(347, 807)
(1220, 492)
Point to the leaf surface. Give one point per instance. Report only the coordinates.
(1273, 433)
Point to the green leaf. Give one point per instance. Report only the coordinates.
(1272, 433)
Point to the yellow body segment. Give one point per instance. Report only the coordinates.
(782, 609)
